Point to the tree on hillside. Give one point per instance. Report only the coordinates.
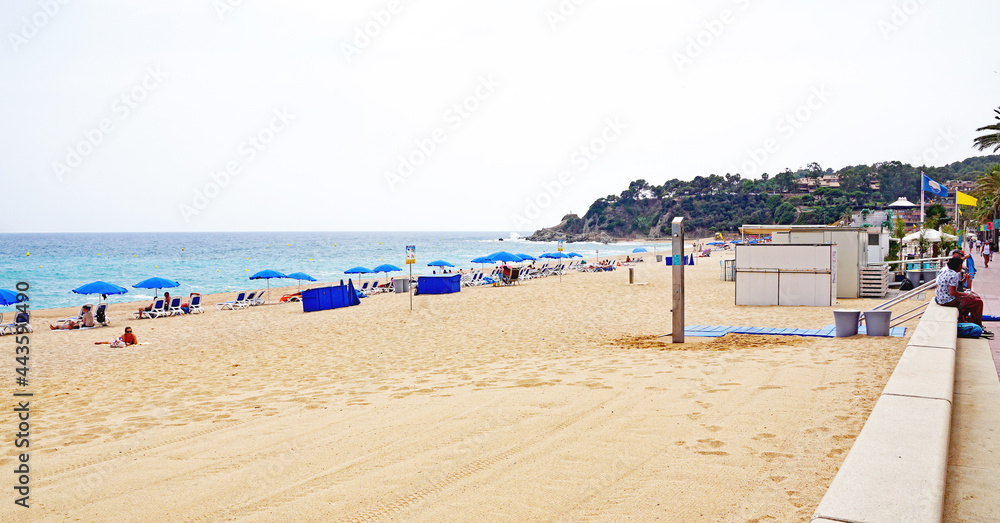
(897, 179)
(991, 138)
(815, 171)
(851, 180)
(784, 181)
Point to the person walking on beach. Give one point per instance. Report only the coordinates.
(123, 341)
(987, 252)
(948, 295)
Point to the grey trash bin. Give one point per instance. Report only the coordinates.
(846, 322)
(914, 277)
(877, 322)
(659, 258)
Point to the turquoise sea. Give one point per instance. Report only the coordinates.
(55, 264)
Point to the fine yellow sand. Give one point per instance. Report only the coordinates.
(547, 401)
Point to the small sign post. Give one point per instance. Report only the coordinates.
(560, 245)
(411, 258)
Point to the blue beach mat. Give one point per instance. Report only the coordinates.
(715, 331)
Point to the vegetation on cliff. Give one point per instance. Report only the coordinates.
(722, 203)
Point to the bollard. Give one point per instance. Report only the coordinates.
(631, 275)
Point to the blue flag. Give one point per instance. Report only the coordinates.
(934, 188)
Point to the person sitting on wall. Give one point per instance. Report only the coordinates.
(969, 304)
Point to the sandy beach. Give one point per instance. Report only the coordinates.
(546, 401)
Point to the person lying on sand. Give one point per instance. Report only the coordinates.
(123, 341)
(86, 320)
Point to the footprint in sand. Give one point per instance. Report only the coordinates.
(714, 428)
(714, 443)
(835, 453)
(820, 388)
(769, 456)
(777, 479)
(763, 435)
(704, 405)
(694, 415)
(770, 387)
(679, 443)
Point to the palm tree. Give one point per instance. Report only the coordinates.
(988, 191)
(989, 140)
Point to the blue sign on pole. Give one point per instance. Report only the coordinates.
(677, 259)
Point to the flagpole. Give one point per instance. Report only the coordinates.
(957, 229)
(922, 175)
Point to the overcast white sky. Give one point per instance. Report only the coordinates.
(114, 115)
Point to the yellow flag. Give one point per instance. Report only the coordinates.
(965, 199)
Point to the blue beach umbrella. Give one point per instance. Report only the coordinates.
(267, 274)
(574, 255)
(439, 263)
(358, 270)
(386, 268)
(7, 297)
(300, 276)
(100, 287)
(525, 257)
(481, 259)
(156, 283)
(639, 249)
(503, 256)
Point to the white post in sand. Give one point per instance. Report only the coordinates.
(677, 249)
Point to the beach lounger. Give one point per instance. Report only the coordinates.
(174, 308)
(156, 311)
(194, 305)
(251, 299)
(261, 298)
(20, 320)
(232, 305)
